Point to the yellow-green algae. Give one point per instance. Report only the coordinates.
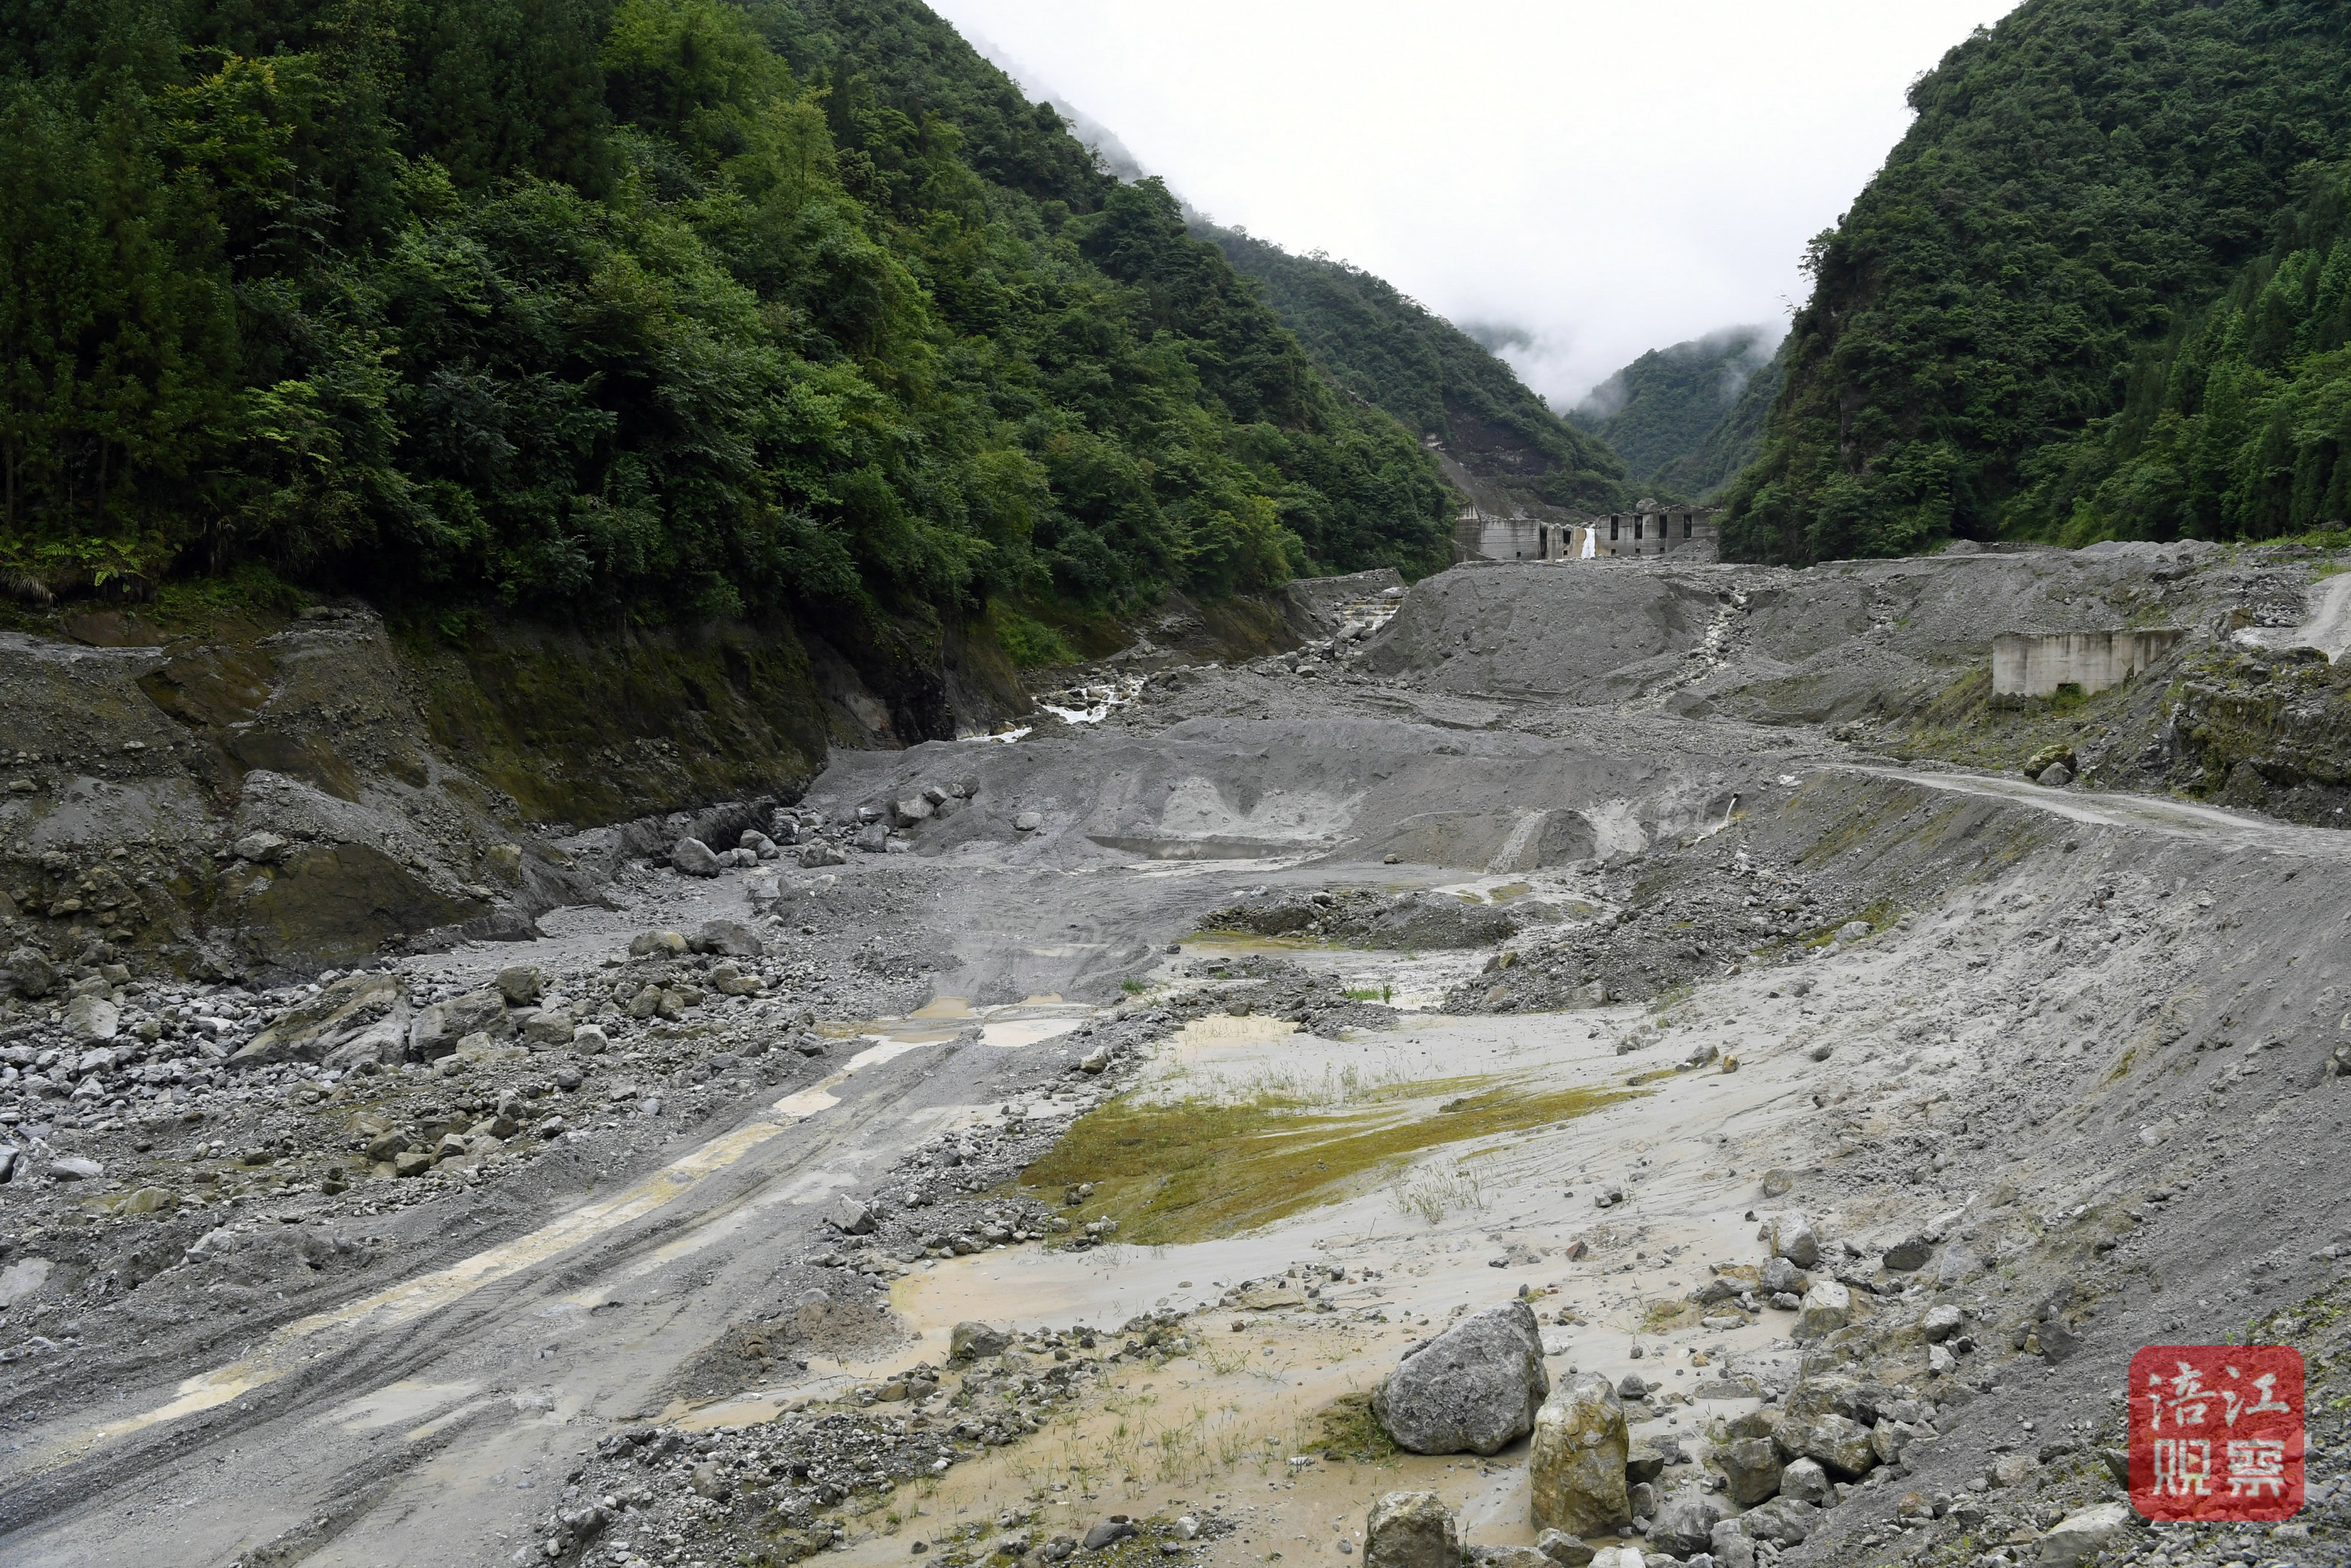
(1174, 1171)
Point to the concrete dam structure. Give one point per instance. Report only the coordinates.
(2037, 663)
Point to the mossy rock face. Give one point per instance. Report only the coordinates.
(588, 731)
(337, 904)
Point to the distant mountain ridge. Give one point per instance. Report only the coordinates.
(1671, 414)
(1398, 356)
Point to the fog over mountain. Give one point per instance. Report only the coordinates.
(1530, 173)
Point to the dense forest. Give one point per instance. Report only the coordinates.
(2099, 289)
(1393, 353)
(1660, 410)
(646, 308)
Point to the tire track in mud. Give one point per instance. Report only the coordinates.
(630, 1237)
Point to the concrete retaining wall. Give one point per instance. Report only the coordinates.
(2035, 663)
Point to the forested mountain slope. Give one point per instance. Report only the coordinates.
(649, 310)
(1396, 355)
(2099, 289)
(1658, 412)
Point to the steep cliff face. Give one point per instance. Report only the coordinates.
(277, 793)
(2097, 290)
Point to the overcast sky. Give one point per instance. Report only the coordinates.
(1608, 177)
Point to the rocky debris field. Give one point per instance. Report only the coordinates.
(1660, 1112)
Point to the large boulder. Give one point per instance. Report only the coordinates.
(521, 984)
(692, 857)
(1832, 1396)
(31, 973)
(1686, 1524)
(1576, 1464)
(1842, 1447)
(1411, 1530)
(1752, 1466)
(1783, 1521)
(1888, 1440)
(1806, 1481)
(1472, 1389)
(439, 1026)
(729, 939)
(351, 1007)
(1827, 1307)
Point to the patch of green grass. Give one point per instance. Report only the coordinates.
(1434, 1193)
(1348, 1426)
(1371, 993)
(1174, 1171)
(1133, 987)
(1029, 643)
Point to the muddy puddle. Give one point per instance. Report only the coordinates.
(1462, 1160)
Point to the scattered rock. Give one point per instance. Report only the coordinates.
(1783, 1521)
(1686, 1524)
(1941, 1323)
(1472, 1389)
(1909, 1254)
(970, 1342)
(1109, 1532)
(852, 1217)
(1411, 1530)
(93, 1018)
(1028, 821)
(30, 972)
(1791, 1235)
(1752, 1467)
(1563, 1549)
(2079, 1537)
(73, 1168)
